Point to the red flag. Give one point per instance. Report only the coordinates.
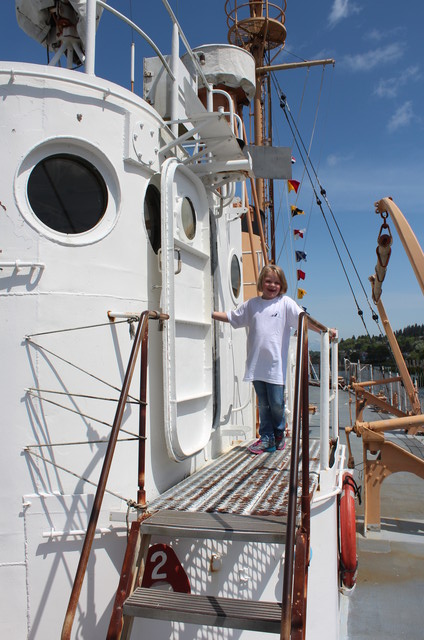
(300, 274)
(298, 233)
(293, 185)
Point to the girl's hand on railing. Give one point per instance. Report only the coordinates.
(220, 315)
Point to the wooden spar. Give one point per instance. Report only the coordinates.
(400, 362)
(295, 65)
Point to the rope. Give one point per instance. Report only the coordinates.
(91, 375)
(65, 444)
(316, 116)
(82, 395)
(83, 478)
(284, 105)
(88, 326)
(83, 415)
(319, 203)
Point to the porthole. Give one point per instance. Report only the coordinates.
(188, 218)
(67, 193)
(152, 216)
(235, 274)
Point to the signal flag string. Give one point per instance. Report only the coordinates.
(294, 130)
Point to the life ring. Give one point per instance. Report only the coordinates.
(348, 566)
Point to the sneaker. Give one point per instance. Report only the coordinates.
(280, 443)
(263, 445)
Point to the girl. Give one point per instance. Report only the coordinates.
(268, 319)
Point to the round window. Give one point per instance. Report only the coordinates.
(188, 218)
(67, 193)
(152, 216)
(235, 276)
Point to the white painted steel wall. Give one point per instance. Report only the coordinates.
(46, 111)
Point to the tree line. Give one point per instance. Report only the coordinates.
(376, 350)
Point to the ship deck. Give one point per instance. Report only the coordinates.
(387, 600)
(239, 483)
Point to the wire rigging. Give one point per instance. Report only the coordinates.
(303, 151)
(324, 196)
(75, 366)
(283, 103)
(79, 413)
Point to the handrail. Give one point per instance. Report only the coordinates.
(140, 339)
(91, 11)
(300, 422)
(91, 36)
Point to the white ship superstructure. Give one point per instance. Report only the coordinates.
(112, 206)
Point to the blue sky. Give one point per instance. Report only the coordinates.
(362, 119)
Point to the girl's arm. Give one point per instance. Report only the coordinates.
(220, 315)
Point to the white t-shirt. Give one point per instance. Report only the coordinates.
(268, 325)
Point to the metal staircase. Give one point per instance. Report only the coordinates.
(239, 498)
(197, 509)
(205, 609)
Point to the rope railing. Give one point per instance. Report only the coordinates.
(140, 342)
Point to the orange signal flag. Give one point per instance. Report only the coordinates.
(293, 185)
(301, 293)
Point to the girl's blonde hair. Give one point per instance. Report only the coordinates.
(272, 268)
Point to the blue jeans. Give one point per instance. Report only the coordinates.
(271, 408)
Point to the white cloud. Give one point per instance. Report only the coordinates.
(389, 88)
(377, 34)
(371, 59)
(402, 117)
(342, 9)
(334, 159)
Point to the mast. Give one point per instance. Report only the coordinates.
(258, 27)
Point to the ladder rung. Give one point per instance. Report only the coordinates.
(218, 526)
(208, 610)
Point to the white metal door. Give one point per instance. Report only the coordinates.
(186, 297)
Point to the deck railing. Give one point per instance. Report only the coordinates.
(171, 68)
(296, 558)
(140, 341)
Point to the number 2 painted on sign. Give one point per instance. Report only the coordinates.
(161, 556)
(162, 565)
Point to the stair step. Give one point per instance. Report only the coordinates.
(217, 526)
(207, 610)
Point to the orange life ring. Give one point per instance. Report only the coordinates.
(348, 558)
